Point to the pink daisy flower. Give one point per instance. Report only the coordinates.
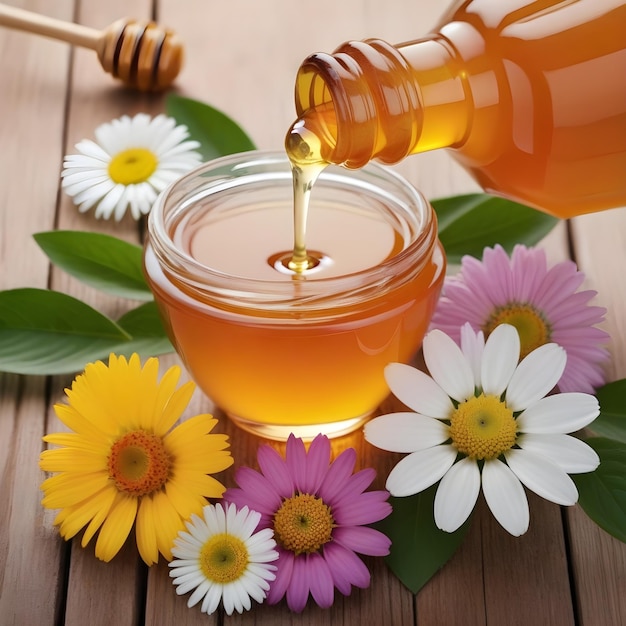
(318, 511)
(543, 303)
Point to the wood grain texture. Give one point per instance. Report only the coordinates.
(242, 58)
(33, 75)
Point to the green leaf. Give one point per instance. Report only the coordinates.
(611, 422)
(218, 134)
(469, 223)
(419, 549)
(46, 332)
(148, 336)
(102, 261)
(602, 494)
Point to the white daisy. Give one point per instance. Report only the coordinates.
(131, 162)
(223, 558)
(483, 418)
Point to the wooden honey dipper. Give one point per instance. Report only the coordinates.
(141, 54)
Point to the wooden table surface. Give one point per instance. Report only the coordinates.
(242, 57)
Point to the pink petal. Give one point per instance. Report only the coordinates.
(363, 540)
(295, 457)
(258, 490)
(320, 580)
(298, 590)
(284, 572)
(275, 470)
(367, 508)
(317, 463)
(338, 474)
(346, 567)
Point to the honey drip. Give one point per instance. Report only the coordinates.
(304, 149)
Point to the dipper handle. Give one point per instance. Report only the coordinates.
(141, 54)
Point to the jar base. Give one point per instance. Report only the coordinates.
(307, 432)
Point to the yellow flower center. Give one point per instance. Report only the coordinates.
(303, 524)
(223, 558)
(139, 463)
(134, 165)
(483, 427)
(533, 329)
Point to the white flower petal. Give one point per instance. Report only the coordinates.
(560, 413)
(472, 346)
(571, 454)
(86, 175)
(542, 476)
(456, 495)
(500, 359)
(535, 376)
(420, 470)
(405, 432)
(448, 365)
(505, 497)
(418, 391)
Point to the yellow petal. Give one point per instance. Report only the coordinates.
(205, 461)
(174, 407)
(116, 527)
(69, 489)
(72, 519)
(68, 460)
(167, 523)
(107, 500)
(77, 422)
(145, 531)
(152, 413)
(78, 442)
(185, 500)
(201, 484)
(188, 432)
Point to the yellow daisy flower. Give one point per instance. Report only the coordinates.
(124, 464)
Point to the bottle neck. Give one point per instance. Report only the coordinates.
(370, 100)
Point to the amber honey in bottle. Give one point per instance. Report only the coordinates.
(529, 96)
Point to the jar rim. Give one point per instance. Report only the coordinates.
(208, 283)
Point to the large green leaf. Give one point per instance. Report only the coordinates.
(418, 549)
(611, 422)
(100, 260)
(148, 337)
(469, 223)
(218, 134)
(46, 332)
(602, 494)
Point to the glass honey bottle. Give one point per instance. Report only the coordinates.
(529, 96)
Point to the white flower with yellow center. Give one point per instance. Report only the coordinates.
(484, 418)
(223, 558)
(131, 161)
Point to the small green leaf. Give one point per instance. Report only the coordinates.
(46, 332)
(102, 261)
(611, 422)
(148, 336)
(419, 549)
(469, 223)
(602, 493)
(218, 134)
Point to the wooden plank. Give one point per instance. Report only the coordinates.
(100, 593)
(598, 559)
(33, 77)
